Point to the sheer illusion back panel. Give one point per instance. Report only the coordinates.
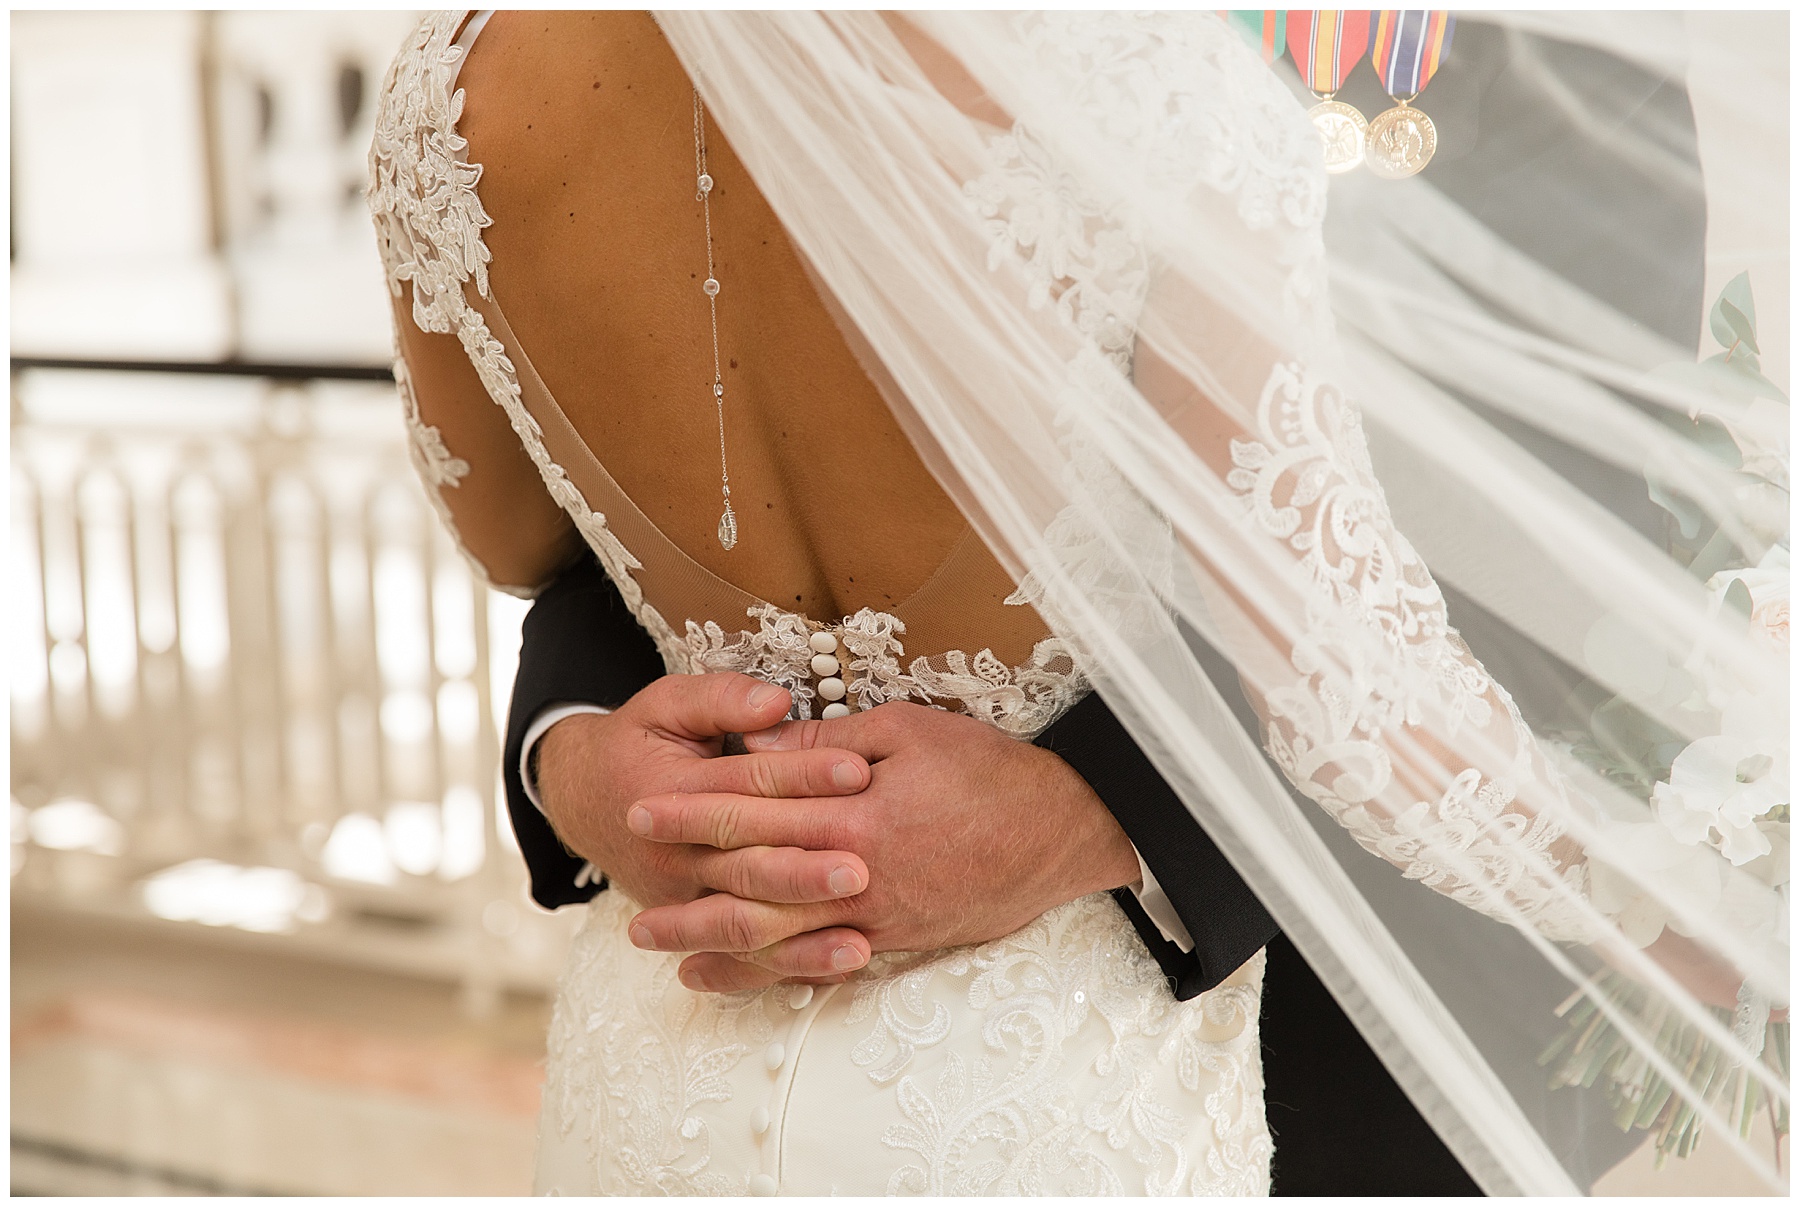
(582, 127)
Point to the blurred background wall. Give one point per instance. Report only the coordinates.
(268, 933)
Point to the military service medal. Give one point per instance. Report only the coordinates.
(1325, 46)
(1408, 48)
(1266, 31)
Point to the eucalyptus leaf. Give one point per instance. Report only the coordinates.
(1719, 325)
(1688, 514)
(1758, 385)
(1730, 376)
(1735, 303)
(1662, 757)
(1737, 596)
(1739, 377)
(1740, 326)
(1717, 554)
(1717, 440)
(1628, 733)
(1737, 293)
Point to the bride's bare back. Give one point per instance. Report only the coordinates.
(582, 124)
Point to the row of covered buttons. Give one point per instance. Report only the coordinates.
(830, 671)
(774, 1056)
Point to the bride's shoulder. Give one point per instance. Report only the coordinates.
(574, 63)
(505, 126)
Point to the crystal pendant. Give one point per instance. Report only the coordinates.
(728, 528)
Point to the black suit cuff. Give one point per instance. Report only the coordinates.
(580, 643)
(1223, 916)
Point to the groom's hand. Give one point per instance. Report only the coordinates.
(968, 835)
(666, 739)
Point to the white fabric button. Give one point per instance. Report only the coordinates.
(801, 995)
(759, 1120)
(832, 688)
(823, 643)
(834, 711)
(824, 664)
(773, 1055)
(762, 1184)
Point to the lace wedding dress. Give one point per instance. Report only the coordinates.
(1141, 402)
(1052, 1061)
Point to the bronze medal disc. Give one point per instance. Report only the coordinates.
(1400, 143)
(1343, 130)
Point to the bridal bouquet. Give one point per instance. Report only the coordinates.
(1723, 794)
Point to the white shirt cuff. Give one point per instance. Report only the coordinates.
(534, 733)
(1156, 904)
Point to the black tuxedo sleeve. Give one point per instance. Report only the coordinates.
(580, 644)
(1223, 917)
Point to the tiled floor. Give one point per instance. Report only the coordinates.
(149, 1063)
(1710, 1171)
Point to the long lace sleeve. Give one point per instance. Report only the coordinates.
(1371, 720)
(428, 220)
(440, 470)
(1371, 703)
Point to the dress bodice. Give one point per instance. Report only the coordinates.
(964, 639)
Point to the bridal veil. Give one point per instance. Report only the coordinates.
(1340, 496)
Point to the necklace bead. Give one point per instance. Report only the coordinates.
(703, 187)
(728, 528)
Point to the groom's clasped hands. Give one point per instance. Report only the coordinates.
(902, 828)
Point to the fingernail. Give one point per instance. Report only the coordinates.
(762, 695)
(845, 775)
(761, 738)
(637, 820)
(844, 880)
(691, 980)
(642, 938)
(845, 958)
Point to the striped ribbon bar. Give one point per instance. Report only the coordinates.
(1265, 31)
(1326, 45)
(1408, 47)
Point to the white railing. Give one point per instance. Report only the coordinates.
(253, 684)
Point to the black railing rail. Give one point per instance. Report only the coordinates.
(272, 370)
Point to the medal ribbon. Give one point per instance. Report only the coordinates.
(1326, 45)
(1408, 47)
(1266, 31)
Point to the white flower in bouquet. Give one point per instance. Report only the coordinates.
(1726, 784)
(1772, 869)
(1671, 864)
(1761, 433)
(1767, 583)
(1711, 892)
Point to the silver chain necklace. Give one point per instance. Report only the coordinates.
(703, 186)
